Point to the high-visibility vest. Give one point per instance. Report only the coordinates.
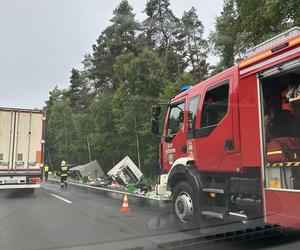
(46, 168)
(64, 171)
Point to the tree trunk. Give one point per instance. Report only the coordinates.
(137, 144)
(89, 147)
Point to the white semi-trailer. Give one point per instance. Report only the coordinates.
(21, 148)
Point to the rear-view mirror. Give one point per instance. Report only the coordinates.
(155, 111)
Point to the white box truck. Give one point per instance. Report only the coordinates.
(21, 148)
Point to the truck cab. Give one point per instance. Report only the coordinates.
(205, 117)
(230, 145)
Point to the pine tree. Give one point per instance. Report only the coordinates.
(194, 46)
(225, 36)
(78, 92)
(161, 28)
(117, 39)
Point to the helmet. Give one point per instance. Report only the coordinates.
(63, 163)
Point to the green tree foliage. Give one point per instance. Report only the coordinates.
(116, 39)
(161, 29)
(65, 135)
(244, 24)
(161, 24)
(194, 46)
(141, 81)
(78, 92)
(225, 35)
(262, 19)
(103, 136)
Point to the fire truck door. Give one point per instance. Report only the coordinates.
(174, 144)
(214, 139)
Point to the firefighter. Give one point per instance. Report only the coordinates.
(63, 174)
(46, 170)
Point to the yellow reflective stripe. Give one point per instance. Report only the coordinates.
(294, 41)
(283, 164)
(277, 164)
(255, 58)
(274, 152)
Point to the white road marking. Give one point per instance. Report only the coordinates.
(61, 198)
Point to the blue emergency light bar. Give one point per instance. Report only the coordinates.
(185, 87)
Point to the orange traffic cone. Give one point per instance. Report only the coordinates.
(125, 207)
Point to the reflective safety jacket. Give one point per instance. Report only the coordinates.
(46, 168)
(64, 171)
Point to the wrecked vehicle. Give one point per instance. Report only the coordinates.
(89, 171)
(126, 172)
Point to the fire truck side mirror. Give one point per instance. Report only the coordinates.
(154, 126)
(155, 111)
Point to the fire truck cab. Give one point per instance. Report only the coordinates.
(230, 145)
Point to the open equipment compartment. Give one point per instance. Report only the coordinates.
(280, 88)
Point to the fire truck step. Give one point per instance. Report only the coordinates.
(239, 214)
(213, 190)
(215, 212)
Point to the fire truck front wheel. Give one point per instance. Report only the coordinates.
(185, 206)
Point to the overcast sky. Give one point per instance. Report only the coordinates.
(41, 40)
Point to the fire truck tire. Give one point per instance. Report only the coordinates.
(185, 207)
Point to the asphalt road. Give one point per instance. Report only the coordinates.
(77, 219)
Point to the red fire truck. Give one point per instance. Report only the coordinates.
(230, 145)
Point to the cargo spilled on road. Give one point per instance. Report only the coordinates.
(124, 176)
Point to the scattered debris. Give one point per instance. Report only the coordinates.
(99, 182)
(152, 194)
(124, 176)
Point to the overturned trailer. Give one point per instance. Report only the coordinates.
(92, 170)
